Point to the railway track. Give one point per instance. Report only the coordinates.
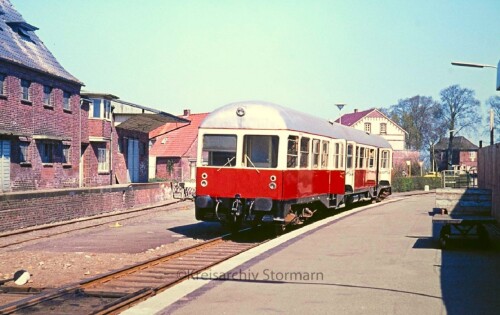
(117, 291)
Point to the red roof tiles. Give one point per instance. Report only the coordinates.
(174, 139)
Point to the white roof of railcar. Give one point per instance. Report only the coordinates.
(263, 115)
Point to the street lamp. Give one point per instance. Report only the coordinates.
(450, 151)
(340, 106)
(478, 65)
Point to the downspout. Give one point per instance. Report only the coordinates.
(111, 115)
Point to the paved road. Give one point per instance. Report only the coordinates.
(378, 261)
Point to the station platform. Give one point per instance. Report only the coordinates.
(376, 259)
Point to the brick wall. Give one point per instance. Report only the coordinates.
(21, 210)
(26, 121)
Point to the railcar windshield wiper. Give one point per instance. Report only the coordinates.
(227, 163)
(248, 159)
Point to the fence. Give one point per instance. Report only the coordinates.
(459, 179)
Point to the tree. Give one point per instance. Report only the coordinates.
(421, 117)
(461, 111)
(494, 103)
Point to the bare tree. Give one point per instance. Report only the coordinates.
(421, 117)
(461, 111)
(494, 103)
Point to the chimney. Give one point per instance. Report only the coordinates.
(187, 112)
(355, 110)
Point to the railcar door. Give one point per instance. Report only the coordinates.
(350, 166)
(385, 162)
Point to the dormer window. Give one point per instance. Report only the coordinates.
(22, 28)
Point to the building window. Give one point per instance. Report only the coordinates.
(66, 154)
(107, 109)
(23, 152)
(2, 84)
(96, 108)
(102, 159)
(47, 150)
(66, 103)
(383, 128)
(101, 109)
(368, 127)
(25, 90)
(47, 92)
(472, 156)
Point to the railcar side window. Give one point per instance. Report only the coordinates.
(304, 152)
(315, 152)
(260, 151)
(361, 157)
(292, 152)
(219, 150)
(325, 154)
(371, 158)
(338, 156)
(384, 160)
(349, 155)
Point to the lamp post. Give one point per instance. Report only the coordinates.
(449, 158)
(479, 65)
(340, 106)
(421, 163)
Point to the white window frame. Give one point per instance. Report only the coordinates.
(383, 128)
(104, 109)
(368, 127)
(102, 160)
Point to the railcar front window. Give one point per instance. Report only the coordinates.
(260, 151)
(292, 152)
(219, 150)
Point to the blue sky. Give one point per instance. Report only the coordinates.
(307, 55)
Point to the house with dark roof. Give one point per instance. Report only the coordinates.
(464, 153)
(173, 150)
(42, 122)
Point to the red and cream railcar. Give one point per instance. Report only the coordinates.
(262, 162)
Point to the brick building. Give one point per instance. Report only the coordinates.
(117, 150)
(174, 146)
(41, 120)
(464, 153)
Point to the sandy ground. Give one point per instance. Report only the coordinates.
(52, 263)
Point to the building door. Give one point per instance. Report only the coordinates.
(4, 165)
(133, 160)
